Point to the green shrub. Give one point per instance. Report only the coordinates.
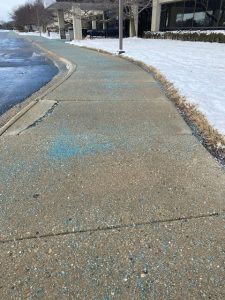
(187, 36)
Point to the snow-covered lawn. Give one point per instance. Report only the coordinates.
(196, 69)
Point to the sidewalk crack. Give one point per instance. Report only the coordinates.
(112, 227)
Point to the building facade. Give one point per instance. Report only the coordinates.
(188, 14)
(162, 16)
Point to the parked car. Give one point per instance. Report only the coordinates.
(111, 32)
(95, 33)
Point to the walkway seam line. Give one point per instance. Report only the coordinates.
(113, 227)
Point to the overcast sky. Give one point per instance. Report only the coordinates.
(6, 7)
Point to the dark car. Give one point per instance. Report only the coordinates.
(96, 33)
(111, 32)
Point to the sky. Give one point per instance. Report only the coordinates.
(6, 7)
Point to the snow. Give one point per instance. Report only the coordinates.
(53, 35)
(201, 31)
(190, 32)
(196, 69)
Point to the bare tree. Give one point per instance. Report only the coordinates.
(132, 9)
(44, 16)
(6, 25)
(32, 13)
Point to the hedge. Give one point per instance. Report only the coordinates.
(187, 36)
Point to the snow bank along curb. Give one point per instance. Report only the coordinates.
(213, 141)
(71, 67)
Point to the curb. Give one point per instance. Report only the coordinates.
(17, 116)
(71, 67)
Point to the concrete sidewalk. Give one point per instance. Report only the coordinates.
(109, 196)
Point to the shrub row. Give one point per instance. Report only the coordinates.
(187, 36)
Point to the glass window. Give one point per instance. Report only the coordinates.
(190, 14)
(200, 13)
(179, 14)
(164, 17)
(172, 15)
(222, 15)
(213, 13)
(188, 18)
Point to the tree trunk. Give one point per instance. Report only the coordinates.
(132, 27)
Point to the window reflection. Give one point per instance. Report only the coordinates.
(200, 13)
(222, 15)
(213, 12)
(190, 14)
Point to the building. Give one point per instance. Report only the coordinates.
(78, 9)
(163, 15)
(188, 14)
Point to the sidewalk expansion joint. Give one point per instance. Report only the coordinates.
(111, 100)
(112, 227)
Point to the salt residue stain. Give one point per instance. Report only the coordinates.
(67, 145)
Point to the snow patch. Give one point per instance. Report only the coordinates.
(34, 54)
(51, 36)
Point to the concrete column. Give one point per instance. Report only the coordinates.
(77, 26)
(135, 13)
(156, 14)
(133, 25)
(131, 28)
(61, 23)
(93, 24)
